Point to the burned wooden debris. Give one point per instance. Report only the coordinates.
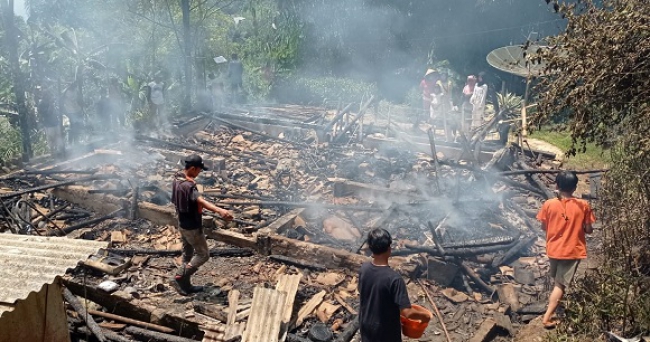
(305, 190)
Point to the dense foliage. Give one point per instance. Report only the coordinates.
(598, 77)
(284, 45)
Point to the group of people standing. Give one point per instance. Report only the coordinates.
(111, 108)
(456, 111)
(52, 109)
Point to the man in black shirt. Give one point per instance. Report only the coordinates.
(235, 76)
(51, 122)
(383, 294)
(189, 207)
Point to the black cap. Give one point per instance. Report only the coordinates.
(195, 160)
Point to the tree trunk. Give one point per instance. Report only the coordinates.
(185, 8)
(11, 42)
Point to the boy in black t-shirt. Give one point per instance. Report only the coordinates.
(383, 294)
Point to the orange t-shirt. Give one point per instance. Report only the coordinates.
(565, 235)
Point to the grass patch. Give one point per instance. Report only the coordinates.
(593, 158)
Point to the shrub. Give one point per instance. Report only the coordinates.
(323, 90)
(10, 143)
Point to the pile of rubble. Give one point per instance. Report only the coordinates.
(306, 185)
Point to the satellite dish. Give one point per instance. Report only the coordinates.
(518, 60)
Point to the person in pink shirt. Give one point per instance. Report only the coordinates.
(427, 87)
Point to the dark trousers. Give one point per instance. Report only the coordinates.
(195, 247)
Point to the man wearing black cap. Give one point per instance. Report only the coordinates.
(189, 207)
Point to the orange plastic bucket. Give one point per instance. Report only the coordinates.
(414, 328)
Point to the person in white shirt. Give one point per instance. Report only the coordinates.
(156, 98)
(478, 101)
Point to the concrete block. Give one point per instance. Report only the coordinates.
(485, 332)
(215, 164)
(443, 273)
(508, 295)
(524, 276)
(208, 222)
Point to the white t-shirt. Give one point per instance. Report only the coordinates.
(157, 97)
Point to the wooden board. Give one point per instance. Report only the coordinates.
(266, 316)
(289, 284)
(309, 307)
(325, 256)
(233, 301)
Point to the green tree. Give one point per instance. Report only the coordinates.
(597, 76)
(11, 44)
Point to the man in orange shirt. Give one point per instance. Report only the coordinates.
(566, 220)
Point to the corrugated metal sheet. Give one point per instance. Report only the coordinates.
(29, 262)
(214, 332)
(266, 316)
(219, 332)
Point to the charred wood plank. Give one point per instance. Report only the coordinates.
(145, 138)
(10, 219)
(155, 336)
(84, 315)
(480, 135)
(211, 311)
(70, 229)
(338, 117)
(266, 120)
(434, 234)
(379, 223)
(216, 252)
(434, 156)
(548, 194)
(262, 134)
(51, 214)
(298, 263)
(57, 172)
(491, 241)
(296, 338)
(475, 278)
(532, 152)
(121, 304)
(131, 321)
(460, 252)
(542, 171)
(110, 335)
(58, 184)
(356, 118)
(116, 192)
(41, 214)
(521, 244)
(349, 332)
(522, 214)
(327, 256)
(467, 150)
(302, 205)
(522, 186)
(211, 193)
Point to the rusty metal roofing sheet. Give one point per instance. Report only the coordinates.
(29, 262)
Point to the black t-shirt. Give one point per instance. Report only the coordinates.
(185, 196)
(382, 293)
(47, 112)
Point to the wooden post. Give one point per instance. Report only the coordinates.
(83, 314)
(524, 121)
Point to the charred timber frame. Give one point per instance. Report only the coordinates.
(448, 152)
(267, 241)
